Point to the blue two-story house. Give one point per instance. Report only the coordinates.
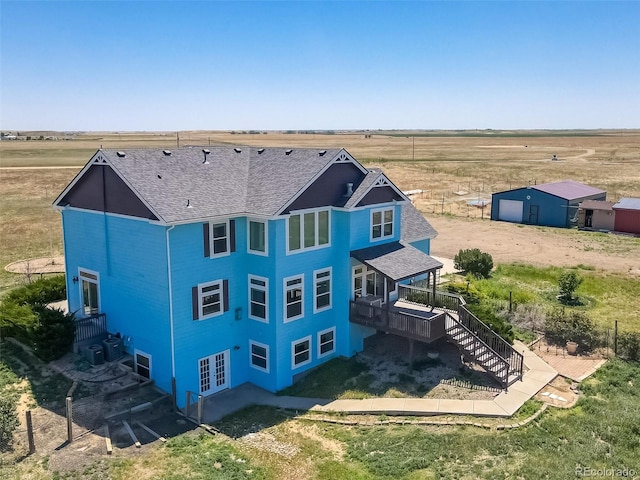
(219, 266)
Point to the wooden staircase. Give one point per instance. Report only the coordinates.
(473, 347)
(476, 340)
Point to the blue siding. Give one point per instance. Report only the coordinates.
(551, 210)
(130, 258)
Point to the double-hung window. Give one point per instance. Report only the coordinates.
(381, 223)
(258, 294)
(257, 241)
(219, 238)
(300, 352)
(259, 356)
(210, 299)
(308, 230)
(326, 342)
(322, 290)
(293, 298)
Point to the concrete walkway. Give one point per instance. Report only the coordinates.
(538, 375)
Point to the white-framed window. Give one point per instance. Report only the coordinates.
(259, 356)
(322, 290)
(257, 240)
(308, 230)
(381, 223)
(293, 298)
(220, 239)
(368, 282)
(142, 363)
(89, 291)
(210, 299)
(258, 298)
(326, 342)
(300, 352)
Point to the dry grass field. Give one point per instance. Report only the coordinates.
(451, 168)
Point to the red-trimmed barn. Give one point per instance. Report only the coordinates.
(627, 212)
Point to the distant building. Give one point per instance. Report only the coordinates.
(596, 215)
(627, 215)
(550, 204)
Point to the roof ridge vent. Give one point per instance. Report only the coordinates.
(260, 151)
(322, 153)
(121, 154)
(237, 150)
(206, 152)
(167, 152)
(288, 152)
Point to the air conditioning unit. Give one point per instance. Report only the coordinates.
(94, 354)
(112, 349)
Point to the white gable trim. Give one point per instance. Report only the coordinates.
(341, 157)
(381, 181)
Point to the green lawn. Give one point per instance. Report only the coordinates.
(604, 296)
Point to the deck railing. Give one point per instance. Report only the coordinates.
(424, 296)
(398, 322)
(490, 338)
(90, 327)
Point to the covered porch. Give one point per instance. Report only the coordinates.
(380, 300)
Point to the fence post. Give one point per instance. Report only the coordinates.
(68, 402)
(32, 445)
(200, 409)
(615, 339)
(174, 398)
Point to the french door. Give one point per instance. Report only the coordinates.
(214, 373)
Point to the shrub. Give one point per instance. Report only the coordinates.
(8, 421)
(568, 283)
(41, 291)
(474, 261)
(54, 333)
(487, 314)
(561, 328)
(629, 345)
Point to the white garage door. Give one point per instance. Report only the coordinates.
(510, 211)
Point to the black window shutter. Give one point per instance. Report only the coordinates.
(232, 235)
(194, 303)
(205, 234)
(225, 294)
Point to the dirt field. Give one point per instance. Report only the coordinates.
(544, 246)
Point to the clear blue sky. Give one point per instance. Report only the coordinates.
(319, 65)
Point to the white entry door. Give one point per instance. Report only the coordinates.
(214, 373)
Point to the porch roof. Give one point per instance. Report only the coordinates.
(396, 260)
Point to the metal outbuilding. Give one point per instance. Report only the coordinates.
(627, 213)
(550, 204)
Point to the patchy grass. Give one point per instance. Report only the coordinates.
(45, 386)
(604, 296)
(338, 378)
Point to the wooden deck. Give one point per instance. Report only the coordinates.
(407, 320)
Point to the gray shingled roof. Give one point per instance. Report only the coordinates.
(363, 188)
(396, 260)
(628, 204)
(231, 183)
(568, 189)
(414, 226)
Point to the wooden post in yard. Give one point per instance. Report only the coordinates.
(68, 402)
(32, 445)
(510, 301)
(615, 339)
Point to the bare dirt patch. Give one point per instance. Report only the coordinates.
(37, 265)
(542, 246)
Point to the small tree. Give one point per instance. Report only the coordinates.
(54, 333)
(568, 283)
(561, 327)
(475, 262)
